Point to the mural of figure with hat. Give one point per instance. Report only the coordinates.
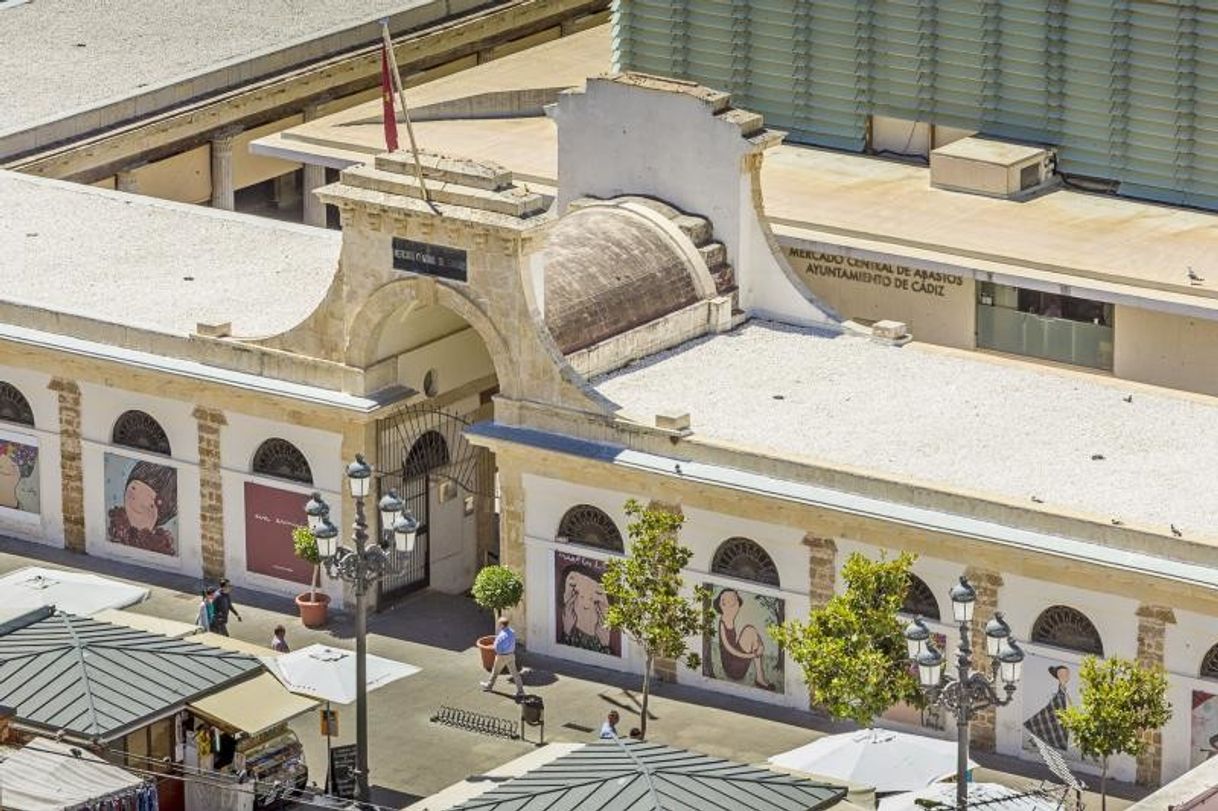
(142, 504)
(1045, 724)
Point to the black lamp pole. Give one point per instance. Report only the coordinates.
(968, 692)
(363, 565)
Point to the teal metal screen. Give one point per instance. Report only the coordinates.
(1127, 90)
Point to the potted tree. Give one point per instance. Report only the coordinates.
(496, 588)
(313, 603)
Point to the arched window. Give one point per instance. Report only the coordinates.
(283, 460)
(746, 560)
(1209, 665)
(135, 429)
(920, 600)
(14, 407)
(428, 452)
(588, 526)
(1065, 627)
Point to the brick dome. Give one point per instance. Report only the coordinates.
(607, 271)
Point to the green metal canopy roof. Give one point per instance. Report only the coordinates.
(92, 679)
(635, 776)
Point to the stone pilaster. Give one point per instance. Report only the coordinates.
(984, 729)
(313, 178)
(223, 190)
(664, 668)
(511, 539)
(211, 495)
(71, 470)
(127, 181)
(1152, 628)
(822, 569)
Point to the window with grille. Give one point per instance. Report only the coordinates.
(135, 429)
(1065, 627)
(920, 600)
(746, 560)
(14, 407)
(588, 526)
(283, 460)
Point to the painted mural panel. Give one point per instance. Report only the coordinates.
(582, 605)
(270, 515)
(1048, 685)
(740, 649)
(19, 476)
(931, 717)
(1204, 721)
(141, 504)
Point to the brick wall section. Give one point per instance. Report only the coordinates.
(71, 471)
(211, 496)
(1152, 628)
(822, 569)
(665, 669)
(983, 733)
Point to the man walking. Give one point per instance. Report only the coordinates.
(505, 656)
(222, 605)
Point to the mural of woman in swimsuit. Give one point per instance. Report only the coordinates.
(741, 647)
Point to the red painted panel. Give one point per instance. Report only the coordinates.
(270, 515)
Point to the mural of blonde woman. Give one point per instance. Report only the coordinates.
(739, 648)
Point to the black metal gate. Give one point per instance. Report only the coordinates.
(419, 449)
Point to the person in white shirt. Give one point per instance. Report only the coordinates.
(609, 728)
(505, 656)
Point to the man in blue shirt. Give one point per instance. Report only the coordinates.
(505, 656)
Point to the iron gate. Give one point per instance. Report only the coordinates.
(419, 448)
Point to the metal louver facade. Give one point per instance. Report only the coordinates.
(1126, 90)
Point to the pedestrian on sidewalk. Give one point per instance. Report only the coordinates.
(223, 604)
(205, 618)
(609, 728)
(505, 656)
(279, 643)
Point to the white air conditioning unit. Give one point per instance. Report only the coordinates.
(992, 168)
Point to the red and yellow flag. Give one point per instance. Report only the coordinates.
(387, 110)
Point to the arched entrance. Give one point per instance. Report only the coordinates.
(422, 453)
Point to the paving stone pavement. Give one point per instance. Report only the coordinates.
(412, 757)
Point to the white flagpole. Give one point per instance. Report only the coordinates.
(397, 85)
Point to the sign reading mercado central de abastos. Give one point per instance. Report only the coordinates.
(874, 273)
(430, 260)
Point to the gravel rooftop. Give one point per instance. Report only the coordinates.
(948, 419)
(156, 265)
(60, 56)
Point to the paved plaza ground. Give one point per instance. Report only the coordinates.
(412, 757)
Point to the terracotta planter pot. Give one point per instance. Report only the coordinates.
(313, 611)
(486, 648)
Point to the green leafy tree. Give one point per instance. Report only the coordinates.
(305, 546)
(1119, 701)
(497, 588)
(852, 650)
(645, 593)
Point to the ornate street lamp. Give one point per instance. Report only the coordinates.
(362, 565)
(967, 692)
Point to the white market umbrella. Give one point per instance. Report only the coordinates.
(887, 761)
(328, 673)
(78, 593)
(993, 796)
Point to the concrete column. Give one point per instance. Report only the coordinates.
(314, 208)
(71, 471)
(314, 177)
(223, 192)
(286, 191)
(211, 495)
(822, 569)
(1152, 628)
(128, 181)
(984, 729)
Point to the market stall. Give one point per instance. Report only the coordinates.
(242, 732)
(46, 775)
